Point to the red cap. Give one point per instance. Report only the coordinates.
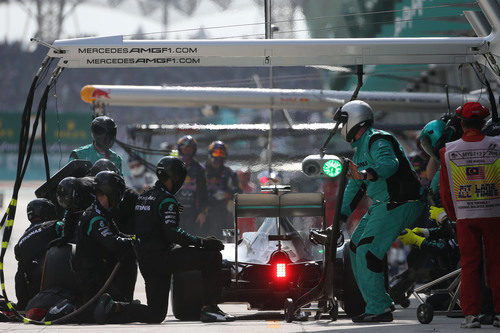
(472, 110)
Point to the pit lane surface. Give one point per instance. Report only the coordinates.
(248, 320)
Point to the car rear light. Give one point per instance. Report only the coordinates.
(280, 270)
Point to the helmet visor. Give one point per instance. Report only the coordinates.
(177, 182)
(218, 153)
(116, 198)
(104, 138)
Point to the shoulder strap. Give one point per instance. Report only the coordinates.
(388, 137)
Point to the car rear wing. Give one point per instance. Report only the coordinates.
(284, 205)
(276, 205)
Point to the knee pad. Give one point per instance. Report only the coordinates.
(373, 263)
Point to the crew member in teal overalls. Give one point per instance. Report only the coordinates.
(381, 170)
(104, 134)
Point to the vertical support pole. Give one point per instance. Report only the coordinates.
(236, 239)
(268, 29)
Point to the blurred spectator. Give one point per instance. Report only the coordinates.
(193, 193)
(246, 185)
(269, 179)
(419, 162)
(139, 179)
(222, 184)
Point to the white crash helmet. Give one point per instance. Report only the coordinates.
(355, 115)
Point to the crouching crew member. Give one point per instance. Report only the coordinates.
(30, 250)
(123, 217)
(381, 170)
(99, 244)
(157, 228)
(470, 186)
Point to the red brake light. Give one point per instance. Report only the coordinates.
(280, 270)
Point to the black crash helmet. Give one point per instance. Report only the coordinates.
(103, 131)
(110, 184)
(74, 194)
(170, 167)
(103, 164)
(41, 210)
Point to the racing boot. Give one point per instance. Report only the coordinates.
(471, 321)
(487, 319)
(103, 308)
(212, 313)
(374, 318)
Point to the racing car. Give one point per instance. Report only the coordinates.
(264, 268)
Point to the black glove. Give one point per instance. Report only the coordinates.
(211, 243)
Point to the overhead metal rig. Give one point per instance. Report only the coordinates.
(105, 52)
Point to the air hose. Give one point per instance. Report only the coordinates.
(80, 309)
(24, 155)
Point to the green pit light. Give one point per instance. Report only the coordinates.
(332, 168)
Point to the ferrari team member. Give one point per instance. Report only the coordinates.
(99, 244)
(193, 194)
(157, 228)
(381, 170)
(103, 131)
(222, 184)
(30, 250)
(470, 187)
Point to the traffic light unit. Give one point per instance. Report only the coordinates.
(328, 166)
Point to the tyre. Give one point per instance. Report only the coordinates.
(57, 269)
(425, 313)
(353, 302)
(187, 294)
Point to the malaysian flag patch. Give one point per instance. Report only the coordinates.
(475, 173)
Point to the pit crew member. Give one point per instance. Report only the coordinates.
(103, 131)
(381, 170)
(157, 229)
(470, 186)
